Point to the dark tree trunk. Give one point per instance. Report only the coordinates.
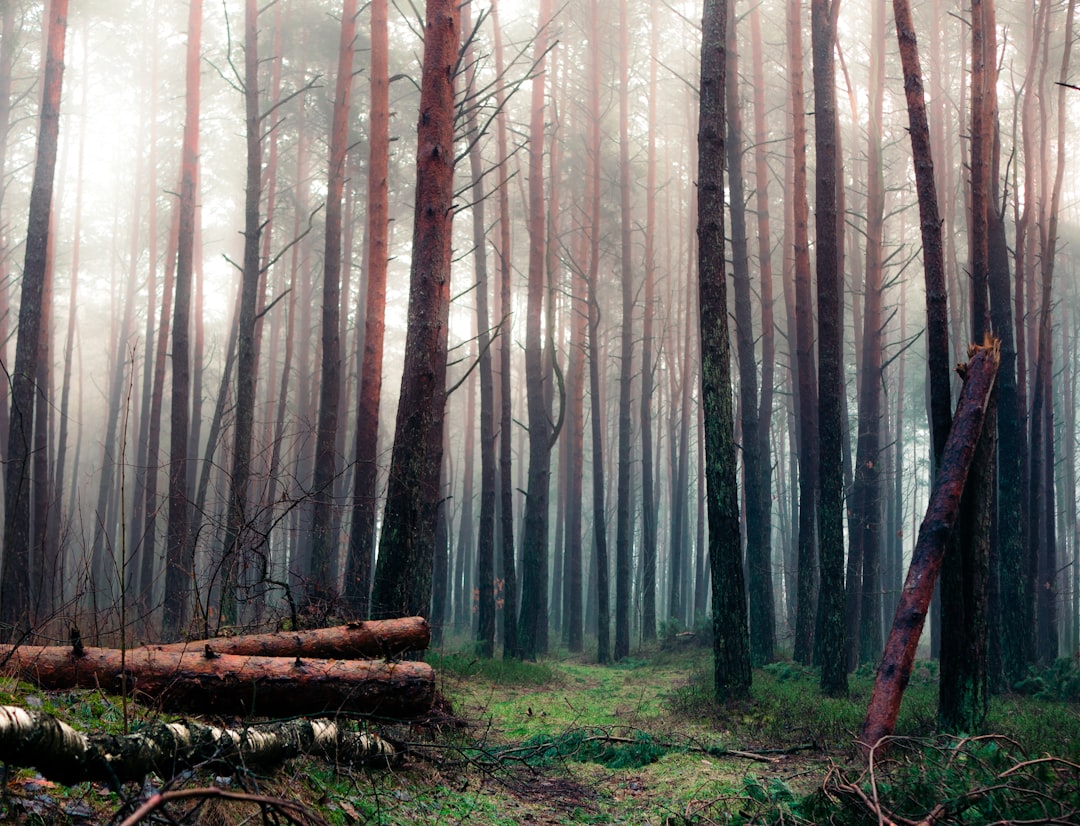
(648, 497)
(830, 430)
(179, 571)
(324, 549)
(758, 564)
(485, 542)
(15, 597)
(731, 646)
(403, 575)
(532, 626)
(236, 552)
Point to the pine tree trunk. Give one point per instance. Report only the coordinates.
(506, 483)
(179, 568)
(403, 576)
(806, 392)
(731, 646)
(533, 621)
(830, 425)
(16, 599)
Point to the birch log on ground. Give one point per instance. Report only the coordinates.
(373, 639)
(895, 670)
(211, 683)
(62, 754)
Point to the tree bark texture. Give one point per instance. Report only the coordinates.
(830, 431)
(62, 754)
(403, 575)
(934, 533)
(731, 646)
(212, 683)
(369, 639)
(15, 575)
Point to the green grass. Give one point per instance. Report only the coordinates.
(566, 741)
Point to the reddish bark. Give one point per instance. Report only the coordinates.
(362, 537)
(941, 515)
(228, 684)
(357, 640)
(403, 575)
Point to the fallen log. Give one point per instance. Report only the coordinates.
(211, 683)
(894, 671)
(373, 639)
(62, 754)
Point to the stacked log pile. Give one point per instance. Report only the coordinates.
(326, 671)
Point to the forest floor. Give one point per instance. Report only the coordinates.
(567, 741)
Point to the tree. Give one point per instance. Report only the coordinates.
(17, 571)
(830, 430)
(324, 568)
(804, 362)
(758, 563)
(402, 584)
(179, 571)
(533, 622)
(506, 483)
(485, 543)
(365, 480)
(623, 525)
(731, 646)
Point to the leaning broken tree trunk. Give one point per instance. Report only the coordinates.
(937, 525)
(374, 639)
(62, 754)
(213, 683)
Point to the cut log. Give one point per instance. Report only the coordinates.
(374, 639)
(62, 754)
(229, 684)
(941, 513)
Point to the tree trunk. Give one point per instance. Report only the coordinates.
(763, 541)
(533, 622)
(236, 551)
(365, 480)
(830, 429)
(231, 684)
(15, 597)
(806, 393)
(324, 549)
(731, 646)
(485, 542)
(626, 351)
(934, 537)
(648, 497)
(64, 755)
(864, 555)
(758, 564)
(369, 639)
(506, 482)
(403, 576)
(179, 569)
